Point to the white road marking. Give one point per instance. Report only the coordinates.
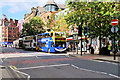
(105, 62)
(111, 63)
(95, 71)
(114, 75)
(75, 66)
(14, 69)
(28, 76)
(1, 60)
(42, 66)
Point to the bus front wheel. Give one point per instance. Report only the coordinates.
(38, 50)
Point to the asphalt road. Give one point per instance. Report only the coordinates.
(57, 66)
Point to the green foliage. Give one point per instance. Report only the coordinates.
(96, 15)
(35, 26)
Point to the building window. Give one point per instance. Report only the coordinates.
(14, 31)
(9, 31)
(53, 8)
(14, 36)
(10, 28)
(47, 8)
(10, 39)
(9, 35)
(47, 17)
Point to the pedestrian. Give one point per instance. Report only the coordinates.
(69, 47)
(89, 47)
(109, 48)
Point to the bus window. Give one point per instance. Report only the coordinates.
(60, 44)
(34, 44)
(56, 35)
(44, 45)
(59, 34)
(52, 44)
(39, 36)
(43, 36)
(48, 34)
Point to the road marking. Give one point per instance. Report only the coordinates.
(1, 60)
(43, 66)
(75, 66)
(11, 67)
(111, 63)
(114, 75)
(28, 76)
(105, 62)
(95, 71)
(15, 69)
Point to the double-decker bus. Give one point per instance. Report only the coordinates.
(29, 42)
(18, 43)
(51, 42)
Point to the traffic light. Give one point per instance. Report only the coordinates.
(79, 31)
(85, 30)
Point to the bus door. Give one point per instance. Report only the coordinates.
(52, 46)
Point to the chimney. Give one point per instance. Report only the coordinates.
(16, 21)
(11, 20)
(25, 15)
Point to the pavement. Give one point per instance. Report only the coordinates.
(4, 73)
(96, 56)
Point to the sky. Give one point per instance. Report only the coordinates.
(16, 9)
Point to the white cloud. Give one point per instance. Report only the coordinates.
(16, 6)
(20, 0)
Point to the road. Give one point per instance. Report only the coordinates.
(55, 65)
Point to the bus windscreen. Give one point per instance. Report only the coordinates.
(60, 44)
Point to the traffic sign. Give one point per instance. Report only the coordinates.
(114, 22)
(116, 29)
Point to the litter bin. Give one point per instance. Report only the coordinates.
(92, 50)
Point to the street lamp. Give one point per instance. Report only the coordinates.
(81, 36)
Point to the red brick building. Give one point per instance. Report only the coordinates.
(9, 31)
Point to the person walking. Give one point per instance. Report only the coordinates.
(89, 47)
(70, 47)
(109, 48)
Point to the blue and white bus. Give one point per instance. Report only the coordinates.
(51, 42)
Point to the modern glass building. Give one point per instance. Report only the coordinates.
(51, 6)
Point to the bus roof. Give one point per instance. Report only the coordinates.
(50, 32)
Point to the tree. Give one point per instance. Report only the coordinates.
(27, 29)
(96, 15)
(60, 23)
(35, 26)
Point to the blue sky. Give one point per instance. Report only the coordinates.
(16, 9)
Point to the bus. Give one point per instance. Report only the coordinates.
(51, 42)
(18, 43)
(29, 42)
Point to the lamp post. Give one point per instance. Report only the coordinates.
(81, 37)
